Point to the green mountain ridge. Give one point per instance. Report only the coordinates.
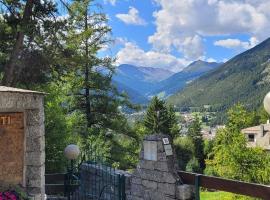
(179, 80)
(244, 78)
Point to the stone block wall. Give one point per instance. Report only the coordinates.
(30, 105)
(157, 179)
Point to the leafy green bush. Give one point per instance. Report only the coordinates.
(193, 165)
(184, 149)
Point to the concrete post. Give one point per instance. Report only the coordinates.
(156, 175)
(22, 140)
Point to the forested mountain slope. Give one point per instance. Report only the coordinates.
(179, 80)
(245, 78)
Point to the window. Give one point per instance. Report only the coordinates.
(251, 137)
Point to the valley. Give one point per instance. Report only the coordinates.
(142, 83)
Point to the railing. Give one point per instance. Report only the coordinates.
(237, 187)
(54, 184)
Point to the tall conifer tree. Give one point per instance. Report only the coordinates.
(31, 41)
(194, 132)
(160, 119)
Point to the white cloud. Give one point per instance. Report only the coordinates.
(120, 41)
(236, 43)
(183, 24)
(132, 17)
(192, 47)
(211, 60)
(112, 2)
(132, 54)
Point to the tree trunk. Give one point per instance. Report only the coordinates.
(11, 69)
(87, 90)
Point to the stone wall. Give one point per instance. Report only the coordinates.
(155, 177)
(30, 105)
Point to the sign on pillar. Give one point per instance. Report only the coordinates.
(22, 140)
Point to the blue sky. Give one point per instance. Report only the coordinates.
(172, 33)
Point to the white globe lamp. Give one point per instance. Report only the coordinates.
(266, 103)
(72, 152)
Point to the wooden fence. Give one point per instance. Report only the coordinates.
(237, 187)
(55, 185)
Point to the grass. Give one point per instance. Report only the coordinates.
(215, 196)
(205, 195)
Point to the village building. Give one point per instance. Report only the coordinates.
(258, 136)
(209, 133)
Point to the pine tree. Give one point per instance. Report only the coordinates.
(92, 90)
(31, 41)
(194, 132)
(160, 119)
(92, 93)
(172, 122)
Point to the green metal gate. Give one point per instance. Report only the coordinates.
(95, 180)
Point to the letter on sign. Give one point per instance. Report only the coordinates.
(165, 140)
(150, 150)
(5, 120)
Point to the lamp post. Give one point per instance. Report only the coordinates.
(71, 152)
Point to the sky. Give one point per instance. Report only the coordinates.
(171, 34)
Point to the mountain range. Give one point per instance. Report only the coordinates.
(141, 83)
(179, 80)
(244, 78)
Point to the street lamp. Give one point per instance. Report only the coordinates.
(71, 152)
(266, 103)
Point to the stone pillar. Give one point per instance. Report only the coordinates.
(22, 140)
(155, 177)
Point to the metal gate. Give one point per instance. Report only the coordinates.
(95, 180)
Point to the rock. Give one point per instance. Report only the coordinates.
(185, 192)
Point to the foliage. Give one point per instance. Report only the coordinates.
(239, 118)
(160, 119)
(20, 192)
(59, 55)
(15, 192)
(232, 158)
(243, 79)
(208, 148)
(125, 151)
(262, 116)
(94, 147)
(58, 134)
(93, 103)
(193, 165)
(29, 55)
(184, 148)
(194, 132)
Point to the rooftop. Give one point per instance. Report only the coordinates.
(266, 127)
(17, 90)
